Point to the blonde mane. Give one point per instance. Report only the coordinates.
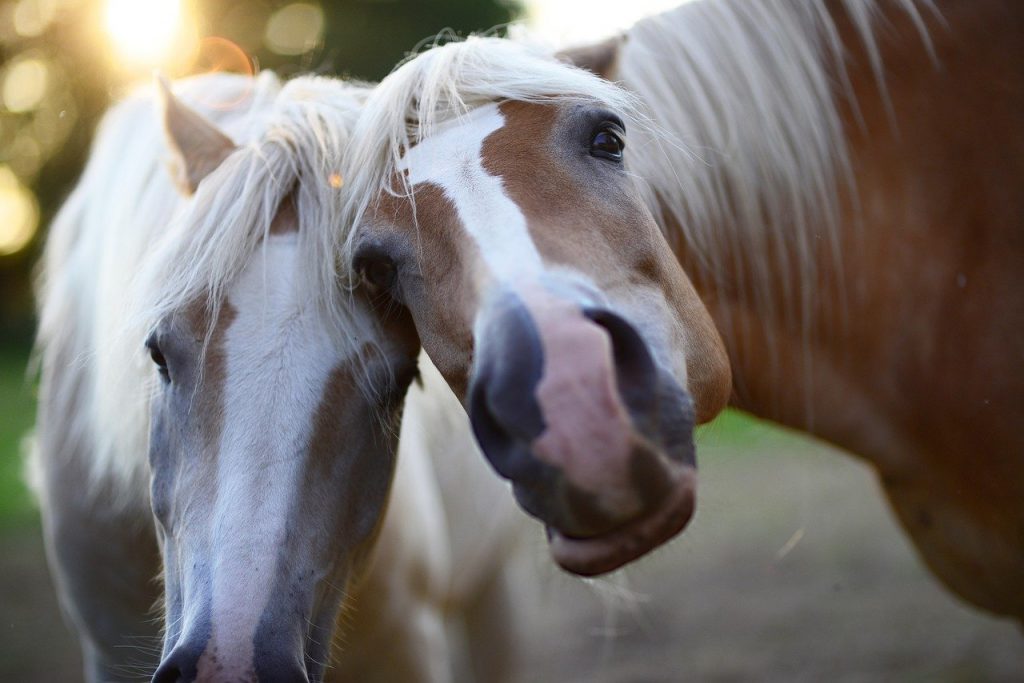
(127, 249)
(751, 90)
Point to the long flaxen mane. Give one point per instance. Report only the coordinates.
(127, 249)
(752, 91)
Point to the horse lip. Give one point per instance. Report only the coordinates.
(607, 552)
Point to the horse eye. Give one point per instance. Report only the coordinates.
(607, 144)
(158, 359)
(377, 270)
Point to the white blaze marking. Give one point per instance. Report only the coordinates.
(279, 356)
(451, 159)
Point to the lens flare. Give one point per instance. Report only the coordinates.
(220, 54)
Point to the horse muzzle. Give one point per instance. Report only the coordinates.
(248, 635)
(188, 663)
(195, 660)
(568, 403)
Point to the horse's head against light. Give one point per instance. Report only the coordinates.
(543, 290)
(273, 418)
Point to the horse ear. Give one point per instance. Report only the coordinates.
(600, 58)
(198, 146)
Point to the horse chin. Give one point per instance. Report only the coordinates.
(596, 555)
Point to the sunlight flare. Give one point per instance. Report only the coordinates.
(149, 33)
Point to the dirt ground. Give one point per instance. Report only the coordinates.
(792, 571)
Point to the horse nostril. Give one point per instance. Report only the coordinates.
(180, 665)
(168, 673)
(502, 405)
(503, 444)
(635, 370)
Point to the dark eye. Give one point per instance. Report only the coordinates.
(376, 268)
(158, 358)
(607, 143)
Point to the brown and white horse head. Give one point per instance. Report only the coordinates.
(272, 442)
(543, 290)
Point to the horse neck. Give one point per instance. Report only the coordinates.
(916, 369)
(758, 198)
(915, 271)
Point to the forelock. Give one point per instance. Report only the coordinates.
(291, 145)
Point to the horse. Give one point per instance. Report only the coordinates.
(219, 407)
(587, 412)
(833, 184)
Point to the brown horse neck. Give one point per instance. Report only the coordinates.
(910, 351)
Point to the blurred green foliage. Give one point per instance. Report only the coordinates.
(17, 411)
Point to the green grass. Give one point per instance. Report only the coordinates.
(17, 413)
(735, 429)
(732, 427)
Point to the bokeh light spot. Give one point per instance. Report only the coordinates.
(32, 17)
(24, 85)
(295, 29)
(19, 213)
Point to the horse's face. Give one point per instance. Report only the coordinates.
(543, 290)
(270, 472)
(273, 434)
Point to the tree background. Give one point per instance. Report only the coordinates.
(60, 69)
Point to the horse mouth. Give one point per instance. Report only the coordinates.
(595, 555)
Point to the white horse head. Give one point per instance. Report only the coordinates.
(271, 393)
